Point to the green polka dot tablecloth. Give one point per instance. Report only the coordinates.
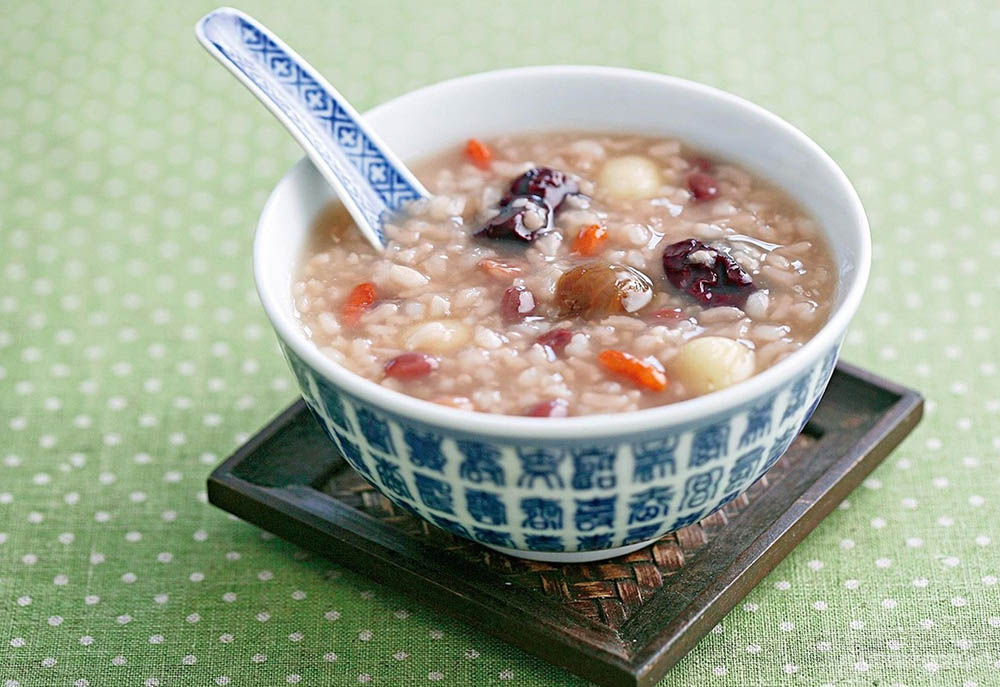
(134, 355)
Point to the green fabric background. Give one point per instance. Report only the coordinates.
(134, 355)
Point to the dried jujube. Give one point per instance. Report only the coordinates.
(526, 210)
(709, 275)
(521, 220)
(551, 185)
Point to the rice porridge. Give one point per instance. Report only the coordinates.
(570, 274)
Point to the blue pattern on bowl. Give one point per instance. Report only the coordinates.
(567, 495)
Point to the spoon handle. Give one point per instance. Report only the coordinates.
(368, 179)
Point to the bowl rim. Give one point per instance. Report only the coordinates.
(700, 408)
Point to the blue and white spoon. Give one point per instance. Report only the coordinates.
(370, 181)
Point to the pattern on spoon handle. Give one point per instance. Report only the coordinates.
(368, 178)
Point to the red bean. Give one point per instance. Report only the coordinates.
(703, 186)
(702, 164)
(516, 303)
(411, 366)
(554, 408)
(556, 339)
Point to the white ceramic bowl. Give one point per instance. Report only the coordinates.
(583, 488)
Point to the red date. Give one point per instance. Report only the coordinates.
(709, 275)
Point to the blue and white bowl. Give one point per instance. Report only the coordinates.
(579, 488)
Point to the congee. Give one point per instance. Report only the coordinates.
(570, 274)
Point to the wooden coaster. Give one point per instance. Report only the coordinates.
(618, 622)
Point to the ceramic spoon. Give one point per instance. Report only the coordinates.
(368, 179)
